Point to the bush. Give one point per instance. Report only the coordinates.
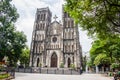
(115, 65)
(61, 65)
(118, 73)
(110, 74)
(40, 65)
(72, 66)
(3, 76)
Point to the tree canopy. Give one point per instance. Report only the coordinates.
(102, 59)
(11, 41)
(24, 57)
(105, 50)
(98, 17)
(101, 18)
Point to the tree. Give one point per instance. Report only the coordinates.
(11, 41)
(98, 17)
(102, 59)
(15, 46)
(110, 47)
(8, 15)
(24, 57)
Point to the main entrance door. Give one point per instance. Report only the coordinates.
(69, 62)
(54, 60)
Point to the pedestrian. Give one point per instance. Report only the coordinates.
(81, 70)
(115, 76)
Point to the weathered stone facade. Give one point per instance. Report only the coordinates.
(54, 44)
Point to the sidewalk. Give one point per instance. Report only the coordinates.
(32, 76)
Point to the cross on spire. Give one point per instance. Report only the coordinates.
(55, 17)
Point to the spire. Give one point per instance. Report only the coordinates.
(55, 17)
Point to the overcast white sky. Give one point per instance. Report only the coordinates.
(27, 10)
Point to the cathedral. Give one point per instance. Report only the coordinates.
(54, 44)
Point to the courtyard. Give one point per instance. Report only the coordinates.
(33, 76)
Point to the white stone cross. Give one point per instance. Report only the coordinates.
(55, 17)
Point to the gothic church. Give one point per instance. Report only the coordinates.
(54, 44)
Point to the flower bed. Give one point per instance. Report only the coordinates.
(4, 75)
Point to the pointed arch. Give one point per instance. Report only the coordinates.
(38, 60)
(54, 59)
(69, 62)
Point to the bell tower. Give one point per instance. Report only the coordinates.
(38, 48)
(71, 45)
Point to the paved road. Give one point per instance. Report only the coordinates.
(32, 76)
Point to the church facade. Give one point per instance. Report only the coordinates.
(54, 44)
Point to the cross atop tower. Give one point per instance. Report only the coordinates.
(55, 17)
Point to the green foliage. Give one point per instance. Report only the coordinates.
(98, 17)
(110, 73)
(24, 57)
(109, 46)
(90, 63)
(72, 66)
(102, 21)
(11, 41)
(4, 76)
(40, 64)
(62, 65)
(102, 59)
(115, 65)
(118, 73)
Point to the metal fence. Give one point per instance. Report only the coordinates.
(49, 71)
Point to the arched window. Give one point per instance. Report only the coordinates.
(44, 16)
(38, 62)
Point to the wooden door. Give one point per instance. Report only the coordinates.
(69, 62)
(54, 60)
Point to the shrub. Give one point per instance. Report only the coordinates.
(115, 65)
(72, 66)
(40, 65)
(62, 65)
(3, 76)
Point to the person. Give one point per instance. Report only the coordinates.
(81, 70)
(115, 76)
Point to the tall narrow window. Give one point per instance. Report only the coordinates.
(72, 48)
(44, 16)
(40, 37)
(72, 23)
(69, 48)
(41, 16)
(38, 17)
(65, 48)
(39, 50)
(43, 26)
(36, 26)
(68, 23)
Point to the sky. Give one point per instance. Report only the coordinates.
(27, 10)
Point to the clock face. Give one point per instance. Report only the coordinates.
(54, 39)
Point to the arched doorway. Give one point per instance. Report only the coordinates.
(38, 62)
(69, 62)
(54, 60)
